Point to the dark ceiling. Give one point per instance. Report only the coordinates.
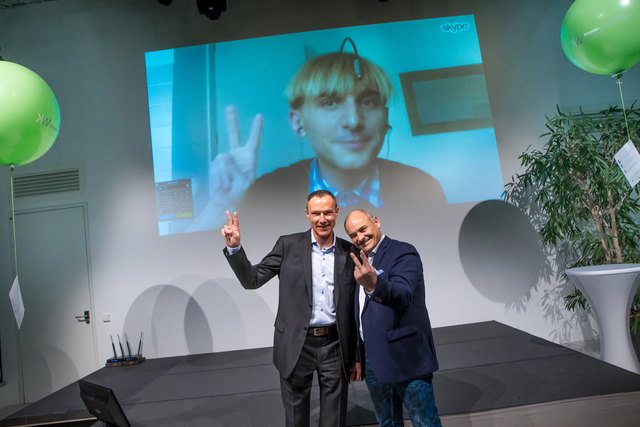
(5, 4)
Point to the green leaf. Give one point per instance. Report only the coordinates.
(573, 175)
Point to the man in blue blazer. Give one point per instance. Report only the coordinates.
(396, 344)
(315, 325)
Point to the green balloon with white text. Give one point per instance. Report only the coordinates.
(602, 36)
(29, 115)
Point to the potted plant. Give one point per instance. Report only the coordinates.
(576, 196)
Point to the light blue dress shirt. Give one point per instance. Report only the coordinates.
(323, 311)
(368, 190)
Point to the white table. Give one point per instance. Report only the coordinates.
(610, 289)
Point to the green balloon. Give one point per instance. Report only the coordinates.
(29, 115)
(602, 36)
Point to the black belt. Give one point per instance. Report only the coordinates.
(322, 331)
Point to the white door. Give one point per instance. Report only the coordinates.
(54, 275)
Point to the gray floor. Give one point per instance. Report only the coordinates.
(486, 368)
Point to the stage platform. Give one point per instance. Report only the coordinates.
(490, 375)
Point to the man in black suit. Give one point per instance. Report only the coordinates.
(315, 324)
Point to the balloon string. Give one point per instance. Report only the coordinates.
(22, 386)
(12, 169)
(624, 111)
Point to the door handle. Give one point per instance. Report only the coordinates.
(86, 318)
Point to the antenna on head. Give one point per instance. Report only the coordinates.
(356, 60)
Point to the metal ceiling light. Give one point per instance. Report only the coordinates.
(212, 9)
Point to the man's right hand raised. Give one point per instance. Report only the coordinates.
(231, 231)
(231, 173)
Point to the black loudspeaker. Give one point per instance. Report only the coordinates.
(212, 9)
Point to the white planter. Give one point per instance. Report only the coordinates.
(609, 289)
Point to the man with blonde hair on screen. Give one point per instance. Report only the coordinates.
(338, 101)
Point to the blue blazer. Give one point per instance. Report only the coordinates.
(397, 332)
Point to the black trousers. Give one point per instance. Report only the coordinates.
(321, 355)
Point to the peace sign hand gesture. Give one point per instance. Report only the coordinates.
(364, 272)
(231, 231)
(231, 173)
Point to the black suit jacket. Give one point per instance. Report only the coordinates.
(413, 200)
(401, 185)
(290, 260)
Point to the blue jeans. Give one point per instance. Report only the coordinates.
(417, 396)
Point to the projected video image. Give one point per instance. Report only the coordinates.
(372, 113)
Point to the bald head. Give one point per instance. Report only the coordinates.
(364, 229)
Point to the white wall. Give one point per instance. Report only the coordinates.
(481, 265)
